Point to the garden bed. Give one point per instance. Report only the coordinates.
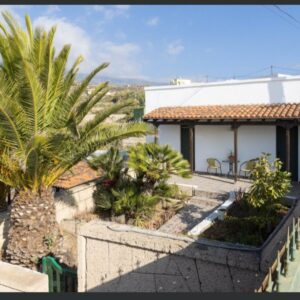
(162, 212)
(243, 225)
(255, 214)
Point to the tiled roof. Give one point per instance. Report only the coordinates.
(210, 112)
(79, 174)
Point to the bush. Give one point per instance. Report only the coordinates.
(154, 164)
(111, 163)
(136, 196)
(270, 183)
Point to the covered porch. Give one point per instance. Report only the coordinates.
(240, 131)
(221, 185)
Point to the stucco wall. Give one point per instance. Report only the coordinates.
(74, 201)
(263, 90)
(14, 278)
(169, 134)
(212, 141)
(253, 140)
(217, 141)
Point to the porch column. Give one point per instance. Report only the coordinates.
(288, 148)
(191, 147)
(235, 145)
(155, 133)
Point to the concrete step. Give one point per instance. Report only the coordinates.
(211, 195)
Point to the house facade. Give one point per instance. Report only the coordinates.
(242, 117)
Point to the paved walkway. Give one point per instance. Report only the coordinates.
(212, 183)
(198, 208)
(210, 192)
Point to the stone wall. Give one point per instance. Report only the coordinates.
(17, 279)
(76, 200)
(122, 258)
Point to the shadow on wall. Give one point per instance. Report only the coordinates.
(175, 273)
(276, 91)
(65, 196)
(122, 258)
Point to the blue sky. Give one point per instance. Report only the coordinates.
(162, 42)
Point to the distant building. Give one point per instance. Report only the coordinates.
(180, 81)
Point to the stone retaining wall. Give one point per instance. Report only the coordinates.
(122, 258)
(17, 279)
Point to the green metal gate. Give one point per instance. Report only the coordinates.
(60, 279)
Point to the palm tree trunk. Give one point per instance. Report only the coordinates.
(33, 232)
(3, 195)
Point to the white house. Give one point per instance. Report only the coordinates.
(245, 117)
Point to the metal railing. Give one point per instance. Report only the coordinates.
(60, 279)
(282, 275)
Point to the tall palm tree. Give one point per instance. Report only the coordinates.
(42, 133)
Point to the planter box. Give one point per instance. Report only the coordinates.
(123, 258)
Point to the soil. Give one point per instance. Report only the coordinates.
(243, 225)
(160, 217)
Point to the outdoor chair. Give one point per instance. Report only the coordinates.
(214, 164)
(247, 166)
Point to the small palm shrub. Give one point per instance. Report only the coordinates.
(136, 193)
(154, 164)
(134, 204)
(111, 163)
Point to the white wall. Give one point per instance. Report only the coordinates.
(212, 141)
(264, 90)
(253, 140)
(217, 141)
(169, 134)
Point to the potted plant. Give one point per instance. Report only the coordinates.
(231, 157)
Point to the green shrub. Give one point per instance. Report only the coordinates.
(270, 183)
(111, 163)
(137, 195)
(165, 190)
(133, 203)
(104, 199)
(154, 164)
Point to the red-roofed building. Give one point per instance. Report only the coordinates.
(239, 117)
(74, 191)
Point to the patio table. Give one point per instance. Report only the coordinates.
(230, 165)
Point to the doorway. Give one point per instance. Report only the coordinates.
(187, 144)
(281, 151)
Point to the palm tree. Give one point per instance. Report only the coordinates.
(43, 132)
(154, 164)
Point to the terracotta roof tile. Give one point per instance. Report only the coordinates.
(210, 112)
(79, 174)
